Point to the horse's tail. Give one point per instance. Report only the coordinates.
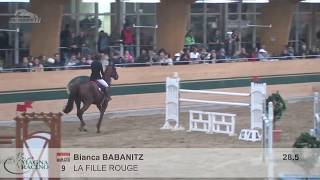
(72, 96)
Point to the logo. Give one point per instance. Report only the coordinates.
(63, 157)
(20, 164)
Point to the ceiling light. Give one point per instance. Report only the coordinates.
(98, 1)
(255, 1)
(216, 1)
(310, 1)
(141, 1)
(25, 1)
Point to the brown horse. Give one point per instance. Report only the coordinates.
(88, 93)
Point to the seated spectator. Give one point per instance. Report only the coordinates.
(116, 57)
(291, 51)
(177, 56)
(221, 56)
(153, 56)
(263, 55)
(162, 56)
(185, 56)
(168, 59)
(83, 63)
(37, 65)
(242, 55)
(253, 55)
(194, 54)
(25, 65)
(127, 57)
(89, 59)
(285, 55)
(73, 61)
(314, 52)
(203, 54)
(212, 56)
(144, 57)
(165, 59)
(57, 61)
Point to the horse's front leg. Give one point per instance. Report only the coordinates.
(102, 110)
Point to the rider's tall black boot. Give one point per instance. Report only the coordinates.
(107, 94)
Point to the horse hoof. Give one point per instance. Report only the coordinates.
(85, 130)
(98, 132)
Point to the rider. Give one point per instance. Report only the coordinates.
(97, 74)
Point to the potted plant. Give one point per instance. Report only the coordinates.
(279, 106)
(301, 151)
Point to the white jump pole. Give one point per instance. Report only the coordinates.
(215, 92)
(215, 102)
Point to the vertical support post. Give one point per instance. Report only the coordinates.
(16, 47)
(258, 95)
(270, 126)
(172, 103)
(268, 140)
(316, 109)
(18, 132)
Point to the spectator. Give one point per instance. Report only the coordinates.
(65, 41)
(215, 40)
(103, 42)
(73, 61)
(144, 56)
(127, 36)
(194, 54)
(212, 56)
(203, 54)
(177, 56)
(185, 56)
(153, 56)
(221, 56)
(263, 55)
(89, 59)
(285, 55)
(57, 61)
(81, 43)
(253, 56)
(189, 39)
(25, 64)
(127, 57)
(37, 65)
(291, 51)
(161, 56)
(169, 59)
(242, 55)
(104, 60)
(83, 63)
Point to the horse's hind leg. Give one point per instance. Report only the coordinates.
(80, 115)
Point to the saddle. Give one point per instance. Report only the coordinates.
(100, 87)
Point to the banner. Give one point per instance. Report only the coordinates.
(159, 163)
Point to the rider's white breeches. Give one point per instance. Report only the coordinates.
(103, 83)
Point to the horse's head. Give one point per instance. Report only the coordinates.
(111, 72)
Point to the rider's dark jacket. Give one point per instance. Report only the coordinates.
(96, 71)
